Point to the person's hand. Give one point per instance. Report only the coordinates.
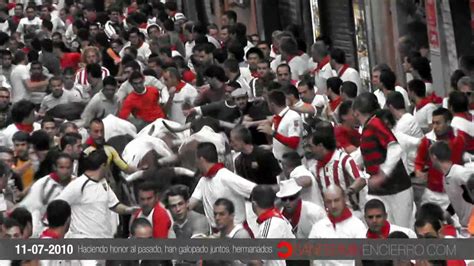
(265, 128)
(247, 118)
(172, 91)
(189, 112)
(375, 181)
(204, 88)
(132, 209)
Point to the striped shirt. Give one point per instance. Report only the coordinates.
(81, 75)
(338, 169)
(374, 144)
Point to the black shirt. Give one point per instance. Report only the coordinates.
(257, 110)
(260, 166)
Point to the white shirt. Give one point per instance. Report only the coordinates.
(18, 77)
(41, 193)
(291, 125)
(49, 101)
(26, 25)
(408, 125)
(349, 228)
(275, 228)
(321, 76)
(142, 53)
(225, 184)
(90, 202)
(424, 116)
(187, 94)
(381, 96)
(457, 177)
(8, 132)
(409, 145)
(298, 67)
(352, 75)
(5, 27)
(311, 193)
(310, 214)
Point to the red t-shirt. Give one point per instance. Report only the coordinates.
(70, 60)
(143, 106)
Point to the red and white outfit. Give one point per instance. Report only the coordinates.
(336, 168)
(272, 224)
(288, 128)
(143, 52)
(160, 219)
(322, 73)
(423, 113)
(344, 226)
(435, 191)
(185, 92)
(297, 66)
(7, 134)
(389, 228)
(347, 73)
(454, 181)
(312, 193)
(41, 193)
(304, 217)
(219, 182)
(50, 234)
(463, 125)
(81, 76)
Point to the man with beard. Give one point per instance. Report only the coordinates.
(37, 93)
(57, 96)
(103, 103)
(46, 189)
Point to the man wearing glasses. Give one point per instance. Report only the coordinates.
(301, 214)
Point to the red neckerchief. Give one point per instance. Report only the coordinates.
(55, 177)
(300, 53)
(214, 169)
(295, 217)
(423, 102)
(342, 70)
(173, 47)
(24, 127)
(270, 213)
(290, 57)
(335, 103)
(346, 214)
(449, 230)
(48, 233)
(435, 98)
(180, 85)
(90, 142)
(254, 74)
(325, 160)
(466, 116)
(384, 232)
(321, 64)
(143, 25)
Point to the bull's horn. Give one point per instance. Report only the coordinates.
(134, 176)
(177, 129)
(168, 160)
(183, 171)
(227, 125)
(152, 129)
